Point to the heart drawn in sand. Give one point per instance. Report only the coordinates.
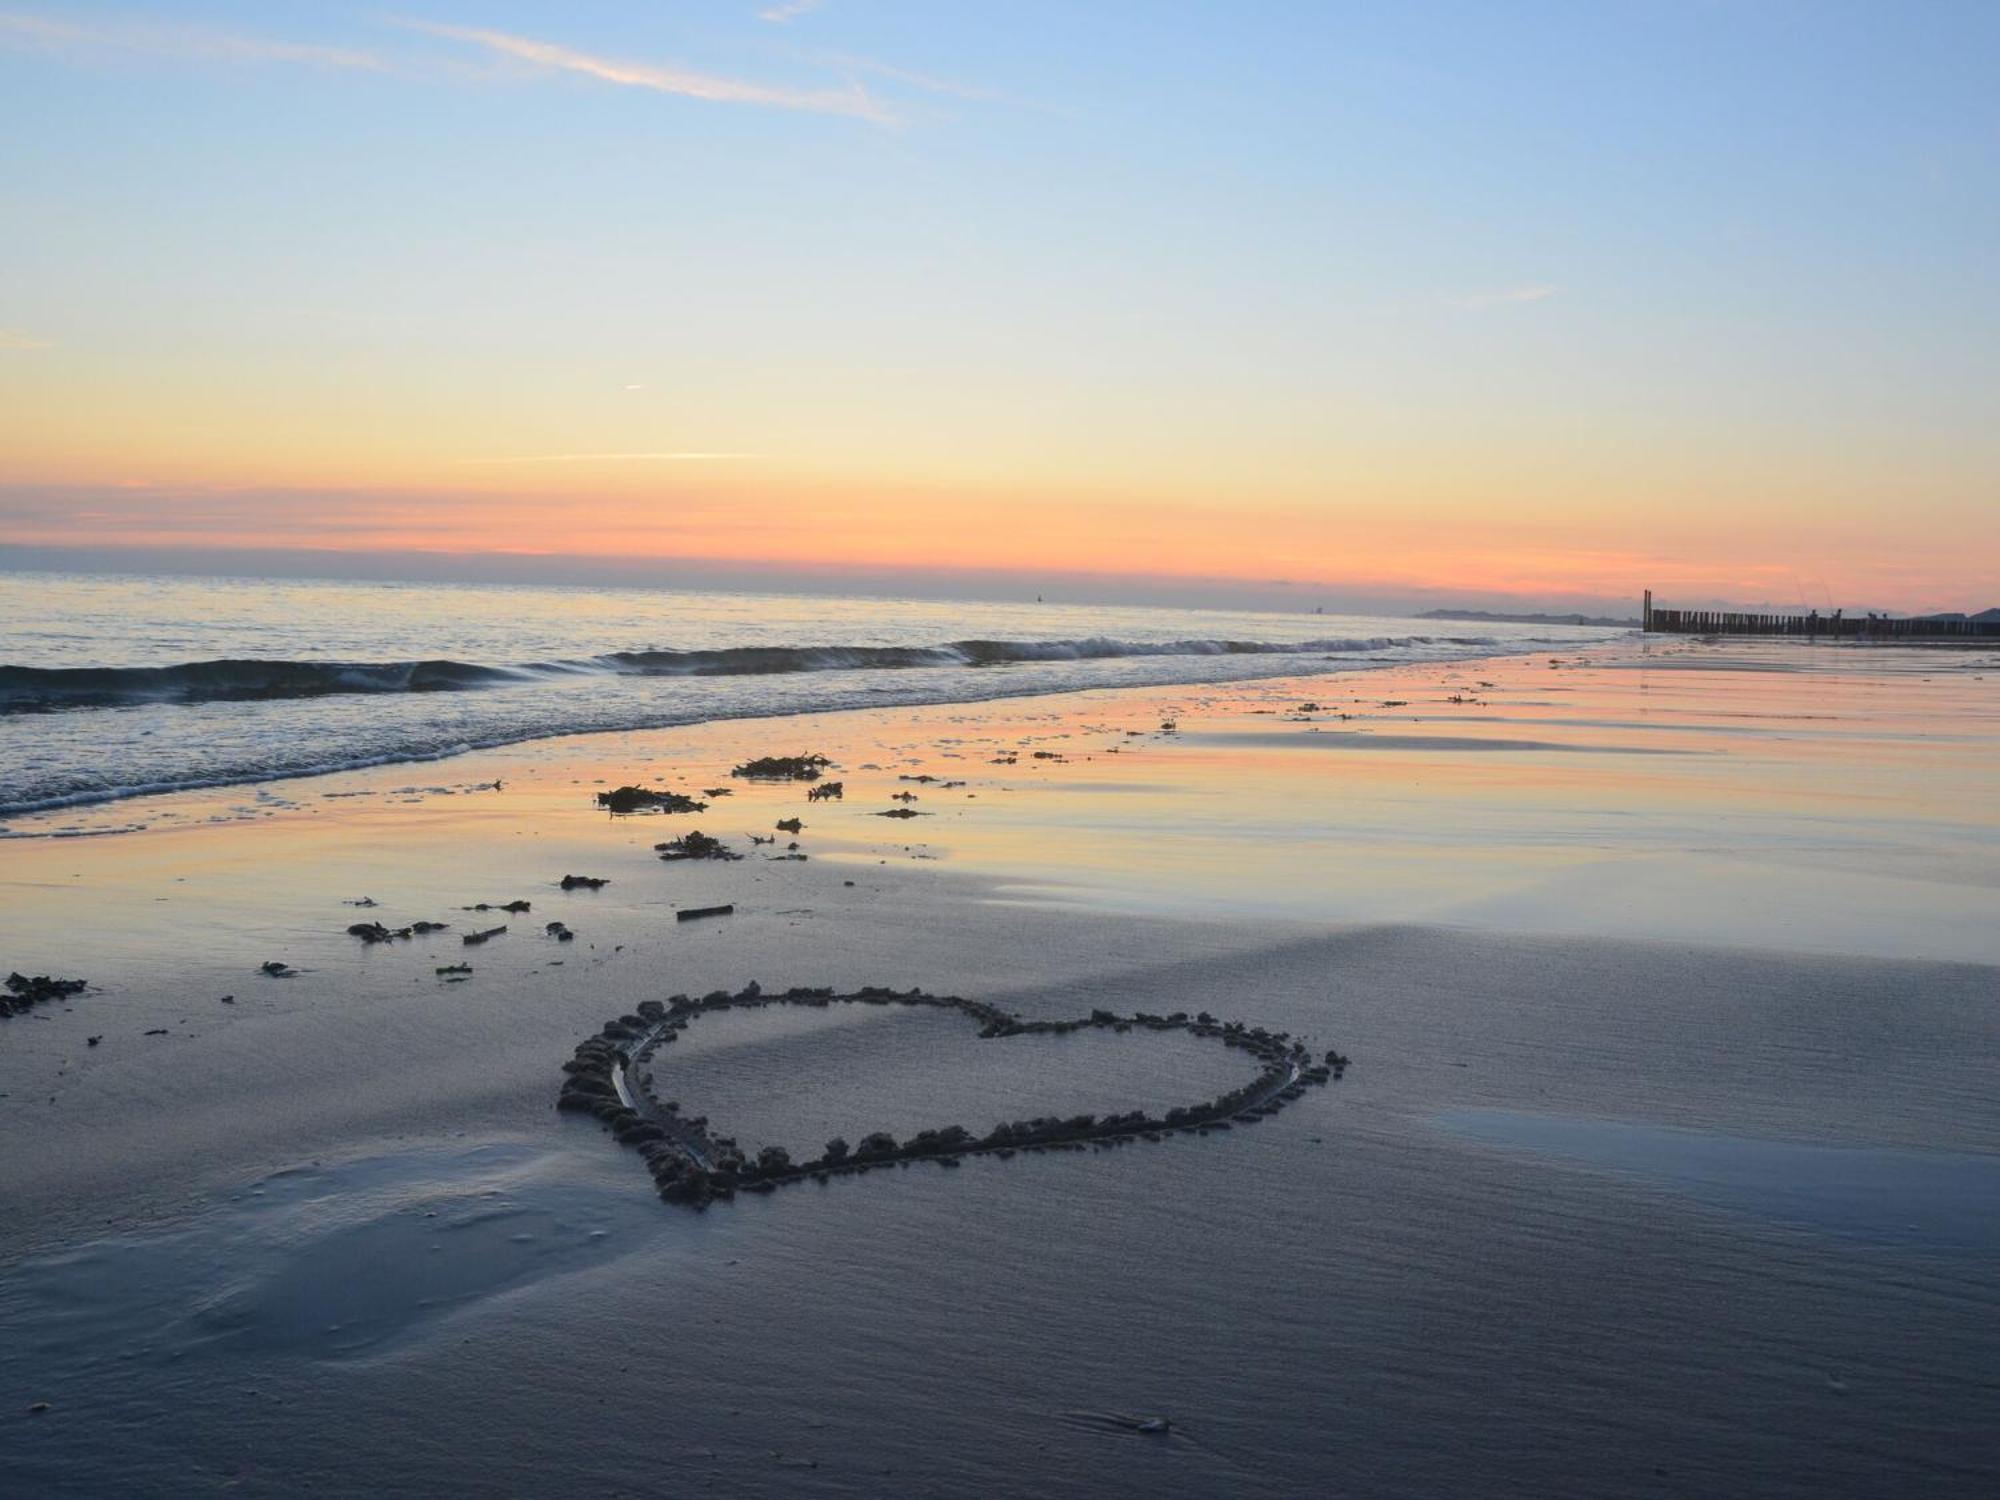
(692, 1164)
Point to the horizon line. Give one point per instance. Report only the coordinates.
(1152, 590)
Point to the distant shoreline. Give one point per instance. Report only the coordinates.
(1496, 617)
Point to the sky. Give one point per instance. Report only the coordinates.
(1542, 303)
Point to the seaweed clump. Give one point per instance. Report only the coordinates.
(24, 991)
(782, 768)
(372, 933)
(695, 845)
(631, 799)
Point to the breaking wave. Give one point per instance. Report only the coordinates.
(41, 689)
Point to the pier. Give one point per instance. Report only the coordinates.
(1814, 626)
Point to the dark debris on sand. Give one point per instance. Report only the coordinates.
(631, 799)
(372, 933)
(695, 845)
(782, 768)
(25, 991)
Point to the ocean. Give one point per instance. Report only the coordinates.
(119, 686)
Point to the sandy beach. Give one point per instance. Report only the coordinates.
(1669, 1144)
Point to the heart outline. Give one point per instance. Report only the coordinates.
(690, 1166)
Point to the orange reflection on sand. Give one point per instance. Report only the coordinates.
(1826, 799)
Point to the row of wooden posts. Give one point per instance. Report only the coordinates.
(1814, 626)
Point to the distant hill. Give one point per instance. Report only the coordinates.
(1495, 617)
(1984, 617)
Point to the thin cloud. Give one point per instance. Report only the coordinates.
(854, 101)
(927, 83)
(788, 10)
(1510, 296)
(183, 43)
(9, 339)
(596, 458)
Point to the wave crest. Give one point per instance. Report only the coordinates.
(40, 689)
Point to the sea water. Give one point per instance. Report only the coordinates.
(121, 686)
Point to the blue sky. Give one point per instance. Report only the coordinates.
(1717, 275)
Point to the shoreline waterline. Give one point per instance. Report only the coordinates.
(1248, 668)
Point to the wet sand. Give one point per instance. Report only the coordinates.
(1737, 894)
